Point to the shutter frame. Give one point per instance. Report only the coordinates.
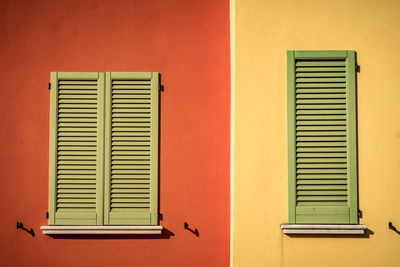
(323, 214)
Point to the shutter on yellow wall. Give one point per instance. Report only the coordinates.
(322, 137)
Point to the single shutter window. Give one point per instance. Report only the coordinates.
(76, 148)
(131, 158)
(322, 137)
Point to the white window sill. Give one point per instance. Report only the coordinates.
(324, 229)
(102, 230)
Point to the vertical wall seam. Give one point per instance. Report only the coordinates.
(232, 10)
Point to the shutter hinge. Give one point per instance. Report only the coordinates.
(49, 86)
(359, 213)
(161, 87)
(357, 67)
(47, 215)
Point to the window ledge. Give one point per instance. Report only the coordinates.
(318, 229)
(102, 230)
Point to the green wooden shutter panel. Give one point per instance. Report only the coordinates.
(103, 149)
(76, 148)
(131, 149)
(322, 137)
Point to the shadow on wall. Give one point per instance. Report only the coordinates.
(366, 234)
(165, 234)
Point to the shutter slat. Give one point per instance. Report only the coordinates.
(318, 95)
(320, 69)
(137, 81)
(318, 176)
(320, 80)
(321, 187)
(92, 86)
(130, 190)
(321, 91)
(326, 106)
(310, 63)
(328, 192)
(321, 74)
(322, 198)
(322, 155)
(321, 160)
(133, 87)
(320, 165)
(77, 192)
(321, 144)
(130, 92)
(321, 112)
(324, 183)
(323, 203)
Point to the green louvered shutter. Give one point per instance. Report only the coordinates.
(322, 137)
(131, 145)
(76, 148)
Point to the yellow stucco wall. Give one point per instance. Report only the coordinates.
(264, 30)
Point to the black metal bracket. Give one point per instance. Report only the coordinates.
(391, 227)
(357, 67)
(195, 231)
(20, 225)
(49, 86)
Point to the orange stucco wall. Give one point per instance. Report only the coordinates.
(188, 43)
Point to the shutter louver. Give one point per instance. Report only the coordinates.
(76, 145)
(131, 174)
(322, 94)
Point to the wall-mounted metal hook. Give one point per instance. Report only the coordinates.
(391, 227)
(195, 231)
(20, 225)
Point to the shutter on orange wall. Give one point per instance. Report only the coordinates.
(131, 158)
(76, 149)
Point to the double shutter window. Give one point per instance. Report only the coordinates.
(103, 148)
(322, 152)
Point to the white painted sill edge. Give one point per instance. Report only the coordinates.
(102, 230)
(324, 229)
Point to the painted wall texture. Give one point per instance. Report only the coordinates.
(264, 31)
(188, 43)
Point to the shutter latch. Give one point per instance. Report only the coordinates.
(49, 86)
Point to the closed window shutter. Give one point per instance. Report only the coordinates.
(131, 145)
(76, 148)
(322, 137)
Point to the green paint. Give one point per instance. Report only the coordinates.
(291, 115)
(352, 136)
(53, 147)
(97, 152)
(322, 153)
(131, 157)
